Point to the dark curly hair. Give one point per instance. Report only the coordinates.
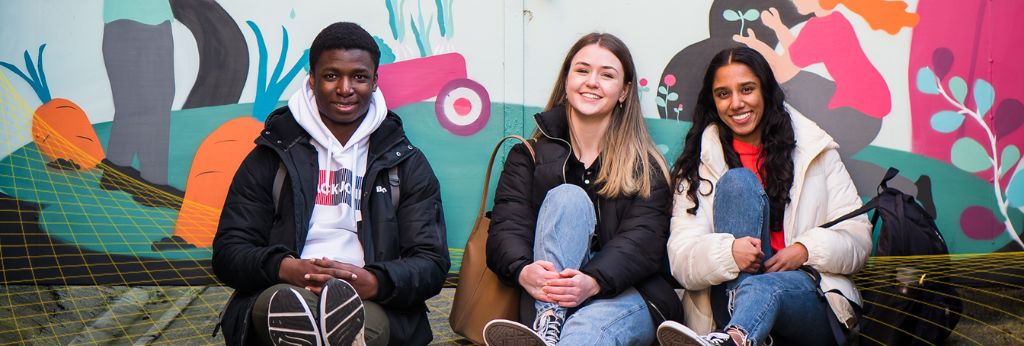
(343, 35)
(777, 138)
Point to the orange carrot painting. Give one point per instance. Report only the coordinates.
(60, 128)
(213, 168)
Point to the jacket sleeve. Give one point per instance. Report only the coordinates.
(699, 257)
(637, 249)
(513, 219)
(419, 272)
(844, 248)
(242, 258)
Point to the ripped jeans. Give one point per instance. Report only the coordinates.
(784, 304)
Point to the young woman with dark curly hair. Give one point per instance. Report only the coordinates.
(751, 187)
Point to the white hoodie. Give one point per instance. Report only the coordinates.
(332, 227)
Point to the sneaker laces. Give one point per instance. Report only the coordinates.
(549, 326)
(718, 338)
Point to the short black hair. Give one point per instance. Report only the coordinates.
(343, 35)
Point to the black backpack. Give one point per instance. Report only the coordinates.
(907, 300)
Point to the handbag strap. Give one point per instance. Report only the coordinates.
(490, 165)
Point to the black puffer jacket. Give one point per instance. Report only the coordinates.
(631, 232)
(407, 249)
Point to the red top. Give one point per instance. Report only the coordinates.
(748, 157)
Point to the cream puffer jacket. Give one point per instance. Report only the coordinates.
(822, 191)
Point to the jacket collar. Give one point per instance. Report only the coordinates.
(282, 132)
(553, 123)
(811, 140)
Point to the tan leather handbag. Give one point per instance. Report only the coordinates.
(480, 297)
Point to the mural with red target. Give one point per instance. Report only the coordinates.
(462, 105)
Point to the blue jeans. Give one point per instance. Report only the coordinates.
(786, 304)
(565, 225)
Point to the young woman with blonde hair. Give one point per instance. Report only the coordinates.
(581, 228)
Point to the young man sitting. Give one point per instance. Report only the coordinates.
(313, 238)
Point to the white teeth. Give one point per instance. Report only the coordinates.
(590, 96)
(741, 117)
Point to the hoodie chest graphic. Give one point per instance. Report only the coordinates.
(338, 187)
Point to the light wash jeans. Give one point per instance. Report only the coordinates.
(565, 226)
(783, 303)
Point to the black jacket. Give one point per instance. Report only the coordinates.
(406, 250)
(631, 232)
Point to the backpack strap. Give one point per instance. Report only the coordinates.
(842, 336)
(872, 204)
(396, 191)
(889, 175)
(278, 185)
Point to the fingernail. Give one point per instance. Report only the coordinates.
(306, 276)
(354, 276)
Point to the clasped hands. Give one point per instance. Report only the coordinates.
(314, 273)
(747, 253)
(568, 288)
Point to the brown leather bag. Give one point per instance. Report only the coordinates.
(480, 297)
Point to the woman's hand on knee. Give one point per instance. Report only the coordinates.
(572, 289)
(789, 258)
(535, 276)
(747, 253)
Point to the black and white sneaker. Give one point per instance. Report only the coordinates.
(671, 333)
(341, 314)
(511, 333)
(290, 320)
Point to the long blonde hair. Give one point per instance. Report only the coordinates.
(626, 148)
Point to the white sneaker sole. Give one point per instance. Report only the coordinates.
(672, 333)
(510, 333)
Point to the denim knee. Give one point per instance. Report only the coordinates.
(740, 184)
(567, 194)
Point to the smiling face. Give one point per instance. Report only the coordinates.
(595, 83)
(343, 83)
(738, 97)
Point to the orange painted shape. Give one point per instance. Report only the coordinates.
(61, 130)
(213, 168)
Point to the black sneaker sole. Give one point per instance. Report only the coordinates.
(342, 315)
(290, 320)
(509, 333)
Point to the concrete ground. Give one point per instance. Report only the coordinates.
(98, 315)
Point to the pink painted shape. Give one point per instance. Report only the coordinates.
(980, 224)
(832, 41)
(414, 80)
(992, 54)
(462, 106)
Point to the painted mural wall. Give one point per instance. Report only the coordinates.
(124, 120)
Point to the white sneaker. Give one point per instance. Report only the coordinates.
(511, 333)
(671, 333)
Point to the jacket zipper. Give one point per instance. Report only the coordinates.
(565, 163)
(655, 306)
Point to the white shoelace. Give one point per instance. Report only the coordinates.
(717, 338)
(549, 327)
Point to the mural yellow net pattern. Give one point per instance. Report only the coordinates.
(84, 264)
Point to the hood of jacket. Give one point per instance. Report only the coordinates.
(304, 109)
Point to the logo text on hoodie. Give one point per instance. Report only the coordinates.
(337, 187)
